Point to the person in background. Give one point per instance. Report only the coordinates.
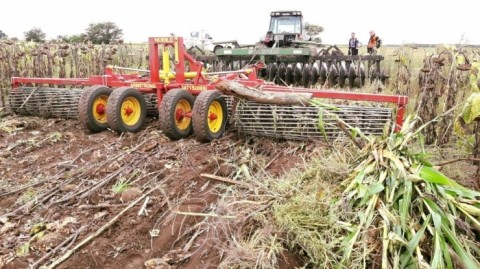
(353, 45)
(373, 43)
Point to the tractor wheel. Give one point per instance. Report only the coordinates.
(92, 108)
(209, 116)
(126, 110)
(175, 113)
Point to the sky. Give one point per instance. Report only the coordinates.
(395, 22)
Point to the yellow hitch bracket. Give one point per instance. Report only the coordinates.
(166, 64)
(176, 51)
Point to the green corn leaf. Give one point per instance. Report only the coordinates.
(446, 253)
(413, 243)
(463, 192)
(405, 203)
(362, 190)
(375, 188)
(432, 175)
(437, 260)
(466, 258)
(348, 243)
(321, 126)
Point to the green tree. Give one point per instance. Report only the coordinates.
(3, 35)
(35, 34)
(314, 31)
(103, 32)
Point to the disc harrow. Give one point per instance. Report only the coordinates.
(303, 66)
(319, 73)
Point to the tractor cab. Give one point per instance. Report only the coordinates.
(285, 27)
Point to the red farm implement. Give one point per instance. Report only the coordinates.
(183, 96)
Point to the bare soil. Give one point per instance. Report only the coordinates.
(57, 181)
(60, 185)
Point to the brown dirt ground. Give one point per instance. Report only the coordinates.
(54, 168)
(66, 165)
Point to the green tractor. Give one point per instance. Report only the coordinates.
(293, 59)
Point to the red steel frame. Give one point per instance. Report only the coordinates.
(155, 84)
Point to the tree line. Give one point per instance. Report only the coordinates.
(97, 33)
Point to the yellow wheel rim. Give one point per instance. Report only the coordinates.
(183, 111)
(99, 108)
(130, 111)
(215, 116)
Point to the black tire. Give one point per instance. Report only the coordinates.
(94, 122)
(169, 124)
(116, 118)
(206, 101)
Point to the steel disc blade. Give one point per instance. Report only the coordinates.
(342, 73)
(262, 73)
(314, 73)
(289, 74)
(281, 74)
(306, 75)
(273, 72)
(323, 73)
(297, 73)
(351, 75)
(268, 70)
(332, 75)
(361, 73)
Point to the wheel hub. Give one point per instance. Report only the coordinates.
(215, 117)
(183, 114)
(128, 111)
(131, 111)
(100, 109)
(212, 116)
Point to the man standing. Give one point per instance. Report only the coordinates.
(373, 43)
(353, 45)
